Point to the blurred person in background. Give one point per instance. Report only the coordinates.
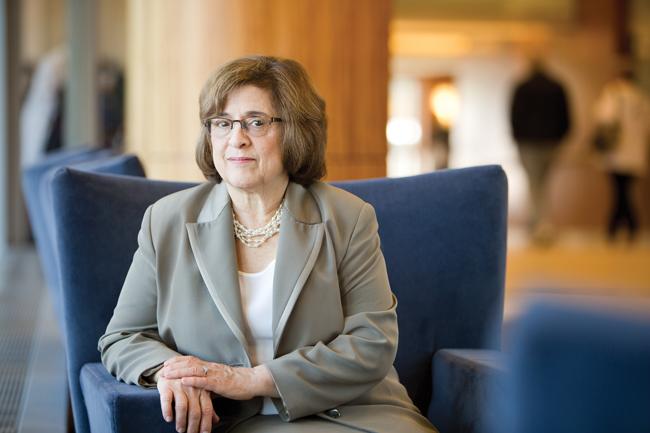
(540, 120)
(42, 112)
(41, 115)
(622, 115)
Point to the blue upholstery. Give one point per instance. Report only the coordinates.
(444, 239)
(579, 368)
(443, 236)
(97, 218)
(117, 407)
(36, 193)
(467, 389)
(38, 197)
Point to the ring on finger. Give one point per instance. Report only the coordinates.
(205, 370)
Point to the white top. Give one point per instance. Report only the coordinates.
(623, 102)
(257, 301)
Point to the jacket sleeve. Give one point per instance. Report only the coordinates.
(316, 378)
(131, 349)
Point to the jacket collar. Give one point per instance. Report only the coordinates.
(213, 246)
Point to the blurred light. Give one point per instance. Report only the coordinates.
(430, 44)
(445, 104)
(403, 131)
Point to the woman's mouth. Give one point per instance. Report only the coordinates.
(240, 159)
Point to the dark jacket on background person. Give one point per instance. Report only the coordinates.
(540, 110)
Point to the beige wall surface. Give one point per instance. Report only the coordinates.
(174, 46)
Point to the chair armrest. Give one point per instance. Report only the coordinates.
(115, 407)
(465, 382)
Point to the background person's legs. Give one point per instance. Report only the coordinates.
(536, 159)
(623, 213)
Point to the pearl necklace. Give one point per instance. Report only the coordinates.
(253, 238)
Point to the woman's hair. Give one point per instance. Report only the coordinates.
(302, 112)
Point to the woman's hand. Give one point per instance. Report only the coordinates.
(193, 406)
(237, 383)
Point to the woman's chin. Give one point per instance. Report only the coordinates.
(253, 183)
(244, 183)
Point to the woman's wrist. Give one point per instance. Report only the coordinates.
(263, 382)
(156, 376)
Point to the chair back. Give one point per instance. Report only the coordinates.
(36, 191)
(38, 197)
(443, 236)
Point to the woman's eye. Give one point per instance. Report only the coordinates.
(222, 124)
(256, 123)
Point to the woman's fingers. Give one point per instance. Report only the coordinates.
(207, 413)
(193, 411)
(193, 408)
(198, 382)
(180, 406)
(166, 399)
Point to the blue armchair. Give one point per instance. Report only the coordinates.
(38, 196)
(443, 236)
(576, 367)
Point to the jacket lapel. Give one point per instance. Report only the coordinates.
(301, 237)
(213, 246)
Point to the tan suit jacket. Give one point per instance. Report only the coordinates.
(334, 321)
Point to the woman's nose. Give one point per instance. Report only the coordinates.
(238, 136)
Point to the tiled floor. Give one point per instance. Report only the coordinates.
(45, 401)
(32, 355)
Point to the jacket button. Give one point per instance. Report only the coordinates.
(333, 413)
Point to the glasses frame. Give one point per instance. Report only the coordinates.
(242, 123)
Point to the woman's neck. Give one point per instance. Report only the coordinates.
(255, 208)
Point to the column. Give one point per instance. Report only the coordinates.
(81, 112)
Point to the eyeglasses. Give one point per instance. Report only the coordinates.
(255, 126)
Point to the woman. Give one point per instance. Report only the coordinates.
(272, 283)
(622, 114)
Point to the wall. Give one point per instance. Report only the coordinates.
(174, 46)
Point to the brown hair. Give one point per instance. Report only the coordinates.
(293, 96)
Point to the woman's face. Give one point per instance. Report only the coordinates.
(243, 161)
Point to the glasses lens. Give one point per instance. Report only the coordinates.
(220, 126)
(257, 126)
